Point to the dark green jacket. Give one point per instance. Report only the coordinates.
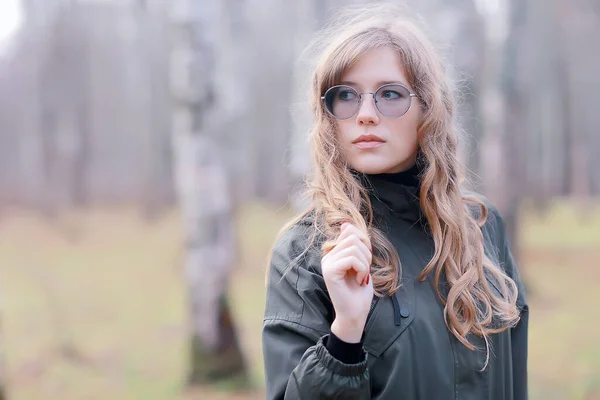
(410, 353)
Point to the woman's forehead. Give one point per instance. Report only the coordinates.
(373, 69)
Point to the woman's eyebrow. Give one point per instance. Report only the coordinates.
(378, 84)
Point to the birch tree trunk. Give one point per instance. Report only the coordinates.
(203, 195)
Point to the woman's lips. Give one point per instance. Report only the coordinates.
(368, 145)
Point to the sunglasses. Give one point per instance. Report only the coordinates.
(391, 100)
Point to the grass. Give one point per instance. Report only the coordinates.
(104, 316)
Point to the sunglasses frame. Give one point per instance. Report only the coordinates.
(360, 97)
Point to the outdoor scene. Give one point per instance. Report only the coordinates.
(135, 132)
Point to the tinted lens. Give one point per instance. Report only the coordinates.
(393, 101)
(342, 101)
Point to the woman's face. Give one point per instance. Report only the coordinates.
(393, 146)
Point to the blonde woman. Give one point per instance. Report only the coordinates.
(396, 283)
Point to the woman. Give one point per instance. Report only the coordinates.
(395, 284)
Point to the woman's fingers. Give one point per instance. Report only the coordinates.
(351, 241)
(353, 251)
(349, 229)
(353, 263)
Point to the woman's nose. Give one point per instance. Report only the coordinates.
(367, 113)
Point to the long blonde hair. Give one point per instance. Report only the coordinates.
(337, 196)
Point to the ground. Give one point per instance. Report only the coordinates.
(93, 305)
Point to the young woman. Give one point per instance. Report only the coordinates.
(395, 284)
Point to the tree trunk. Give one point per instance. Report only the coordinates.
(204, 197)
(515, 89)
(223, 361)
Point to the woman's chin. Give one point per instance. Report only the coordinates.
(370, 168)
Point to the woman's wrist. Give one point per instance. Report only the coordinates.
(346, 330)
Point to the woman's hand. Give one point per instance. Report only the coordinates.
(346, 270)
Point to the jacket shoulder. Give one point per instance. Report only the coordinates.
(295, 279)
(296, 246)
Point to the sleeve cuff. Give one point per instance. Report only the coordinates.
(348, 353)
(337, 366)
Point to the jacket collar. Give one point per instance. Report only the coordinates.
(394, 195)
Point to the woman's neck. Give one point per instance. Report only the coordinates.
(409, 177)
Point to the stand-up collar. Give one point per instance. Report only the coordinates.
(395, 195)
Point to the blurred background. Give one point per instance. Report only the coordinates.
(150, 150)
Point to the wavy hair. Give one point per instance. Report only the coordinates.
(337, 196)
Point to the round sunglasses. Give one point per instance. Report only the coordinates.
(391, 100)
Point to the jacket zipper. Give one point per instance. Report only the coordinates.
(396, 306)
(373, 304)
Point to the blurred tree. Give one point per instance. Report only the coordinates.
(64, 114)
(231, 124)
(269, 68)
(515, 89)
(204, 198)
(577, 23)
(549, 79)
(153, 40)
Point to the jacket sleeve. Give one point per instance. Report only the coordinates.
(519, 333)
(298, 316)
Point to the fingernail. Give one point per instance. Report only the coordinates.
(368, 279)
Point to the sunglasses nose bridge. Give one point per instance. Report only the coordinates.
(361, 94)
(360, 98)
(360, 102)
